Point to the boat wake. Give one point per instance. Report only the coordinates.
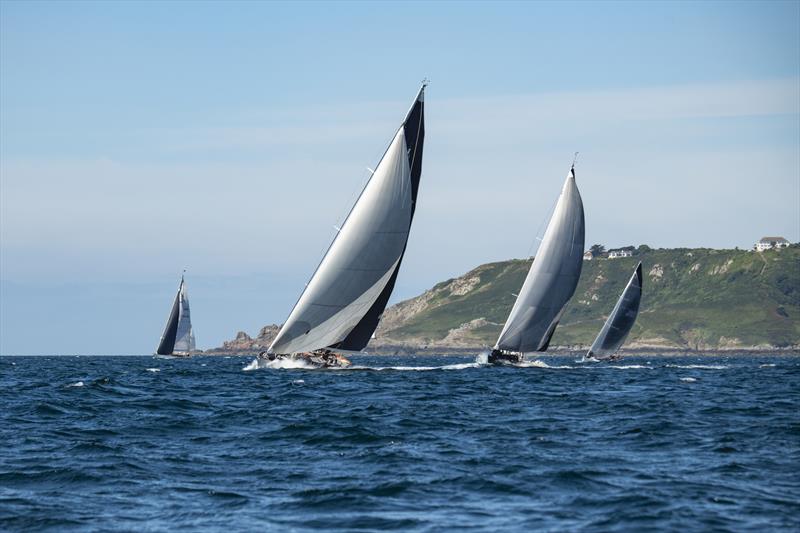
(460, 366)
(282, 363)
(537, 363)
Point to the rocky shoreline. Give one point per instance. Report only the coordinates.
(244, 344)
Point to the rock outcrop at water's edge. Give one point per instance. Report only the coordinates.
(694, 300)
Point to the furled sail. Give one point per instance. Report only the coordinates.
(348, 292)
(621, 319)
(552, 278)
(178, 335)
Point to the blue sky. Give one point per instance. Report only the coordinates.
(137, 139)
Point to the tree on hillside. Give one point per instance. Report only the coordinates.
(597, 250)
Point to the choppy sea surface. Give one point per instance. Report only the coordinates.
(399, 443)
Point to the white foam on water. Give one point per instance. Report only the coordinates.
(701, 367)
(203, 364)
(626, 367)
(76, 384)
(459, 366)
(482, 358)
(153, 369)
(537, 363)
(688, 380)
(288, 362)
(767, 365)
(298, 382)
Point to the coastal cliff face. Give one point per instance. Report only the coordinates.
(693, 299)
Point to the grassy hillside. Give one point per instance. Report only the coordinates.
(693, 298)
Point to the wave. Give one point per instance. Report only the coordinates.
(76, 384)
(153, 369)
(688, 380)
(767, 365)
(627, 367)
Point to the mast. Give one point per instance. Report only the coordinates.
(342, 303)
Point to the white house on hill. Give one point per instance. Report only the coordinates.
(613, 254)
(767, 243)
(587, 256)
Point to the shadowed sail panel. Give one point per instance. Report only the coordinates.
(621, 319)
(552, 278)
(347, 294)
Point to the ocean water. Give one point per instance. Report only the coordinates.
(401, 443)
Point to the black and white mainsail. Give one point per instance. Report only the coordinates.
(178, 337)
(551, 280)
(621, 319)
(342, 304)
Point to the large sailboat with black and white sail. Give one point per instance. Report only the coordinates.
(550, 283)
(342, 303)
(178, 337)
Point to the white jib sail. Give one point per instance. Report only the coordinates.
(552, 278)
(359, 263)
(184, 337)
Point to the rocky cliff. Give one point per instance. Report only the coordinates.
(694, 299)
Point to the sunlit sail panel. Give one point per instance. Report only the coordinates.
(342, 303)
(552, 278)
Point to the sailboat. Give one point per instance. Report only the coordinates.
(178, 337)
(620, 321)
(550, 283)
(342, 303)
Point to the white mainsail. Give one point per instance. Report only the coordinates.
(552, 278)
(184, 336)
(621, 319)
(342, 303)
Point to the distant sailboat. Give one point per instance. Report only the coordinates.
(620, 321)
(178, 337)
(342, 304)
(550, 283)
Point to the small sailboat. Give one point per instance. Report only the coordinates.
(620, 321)
(178, 337)
(550, 283)
(340, 307)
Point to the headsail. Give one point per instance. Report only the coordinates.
(552, 278)
(621, 319)
(348, 292)
(184, 336)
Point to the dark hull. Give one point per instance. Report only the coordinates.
(499, 357)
